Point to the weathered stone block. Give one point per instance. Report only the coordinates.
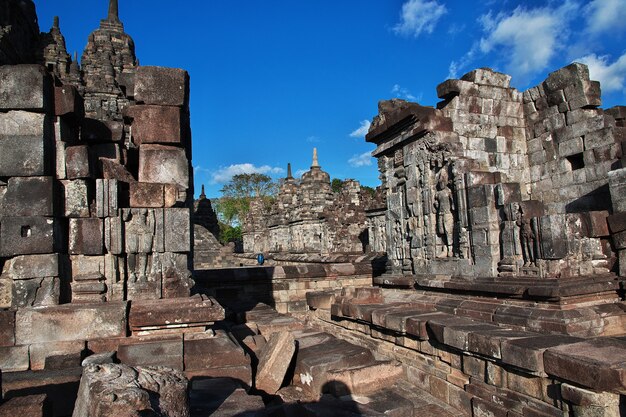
(36, 292)
(107, 197)
(156, 124)
(67, 101)
(28, 235)
(96, 131)
(24, 137)
(7, 327)
(77, 162)
(487, 76)
(617, 188)
(86, 236)
(274, 360)
(146, 195)
(573, 74)
(174, 312)
(56, 355)
(26, 87)
(119, 390)
(527, 353)
(6, 292)
(163, 164)
(553, 236)
(209, 350)
(152, 351)
(598, 364)
(28, 196)
(596, 224)
(617, 222)
(76, 198)
(29, 405)
(32, 266)
(177, 229)
(162, 86)
(14, 358)
(70, 322)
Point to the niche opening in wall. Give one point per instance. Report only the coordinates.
(576, 161)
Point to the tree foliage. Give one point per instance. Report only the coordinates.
(237, 194)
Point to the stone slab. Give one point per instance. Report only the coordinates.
(162, 86)
(152, 351)
(27, 406)
(70, 322)
(527, 353)
(26, 87)
(599, 364)
(77, 162)
(163, 164)
(174, 312)
(146, 195)
(7, 328)
(67, 101)
(28, 235)
(156, 124)
(32, 153)
(177, 233)
(56, 355)
(28, 196)
(14, 358)
(86, 236)
(32, 266)
(274, 360)
(209, 350)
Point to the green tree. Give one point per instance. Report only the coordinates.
(236, 195)
(336, 184)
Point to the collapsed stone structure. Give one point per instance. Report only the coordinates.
(501, 297)
(498, 182)
(90, 215)
(308, 218)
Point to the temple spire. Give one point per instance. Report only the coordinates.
(202, 195)
(315, 163)
(113, 12)
(289, 176)
(55, 22)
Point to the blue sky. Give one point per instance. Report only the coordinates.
(272, 79)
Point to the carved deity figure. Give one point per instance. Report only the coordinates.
(527, 237)
(139, 241)
(444, 204)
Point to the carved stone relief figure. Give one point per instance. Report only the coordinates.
(139, 239)
(528, 238)
(444, 204)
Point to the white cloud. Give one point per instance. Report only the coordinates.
(224, 174)
(401, 92)
(362, 160)
(313, 139)
(362, 130)
(419, 16)
(527, 38)
(605, 15)
(612, 76)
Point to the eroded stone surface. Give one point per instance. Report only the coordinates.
(111, 389)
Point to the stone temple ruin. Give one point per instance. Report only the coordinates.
(485, 277)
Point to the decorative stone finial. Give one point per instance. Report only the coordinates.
(202, 195)
(113, 12)
(315, 163)
(55, 22)
(289, 176)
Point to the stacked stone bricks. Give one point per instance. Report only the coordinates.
(498, 182)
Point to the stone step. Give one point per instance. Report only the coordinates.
(363, 380)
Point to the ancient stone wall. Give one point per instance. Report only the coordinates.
(94, 209)
(307, 217)
(495, 181)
